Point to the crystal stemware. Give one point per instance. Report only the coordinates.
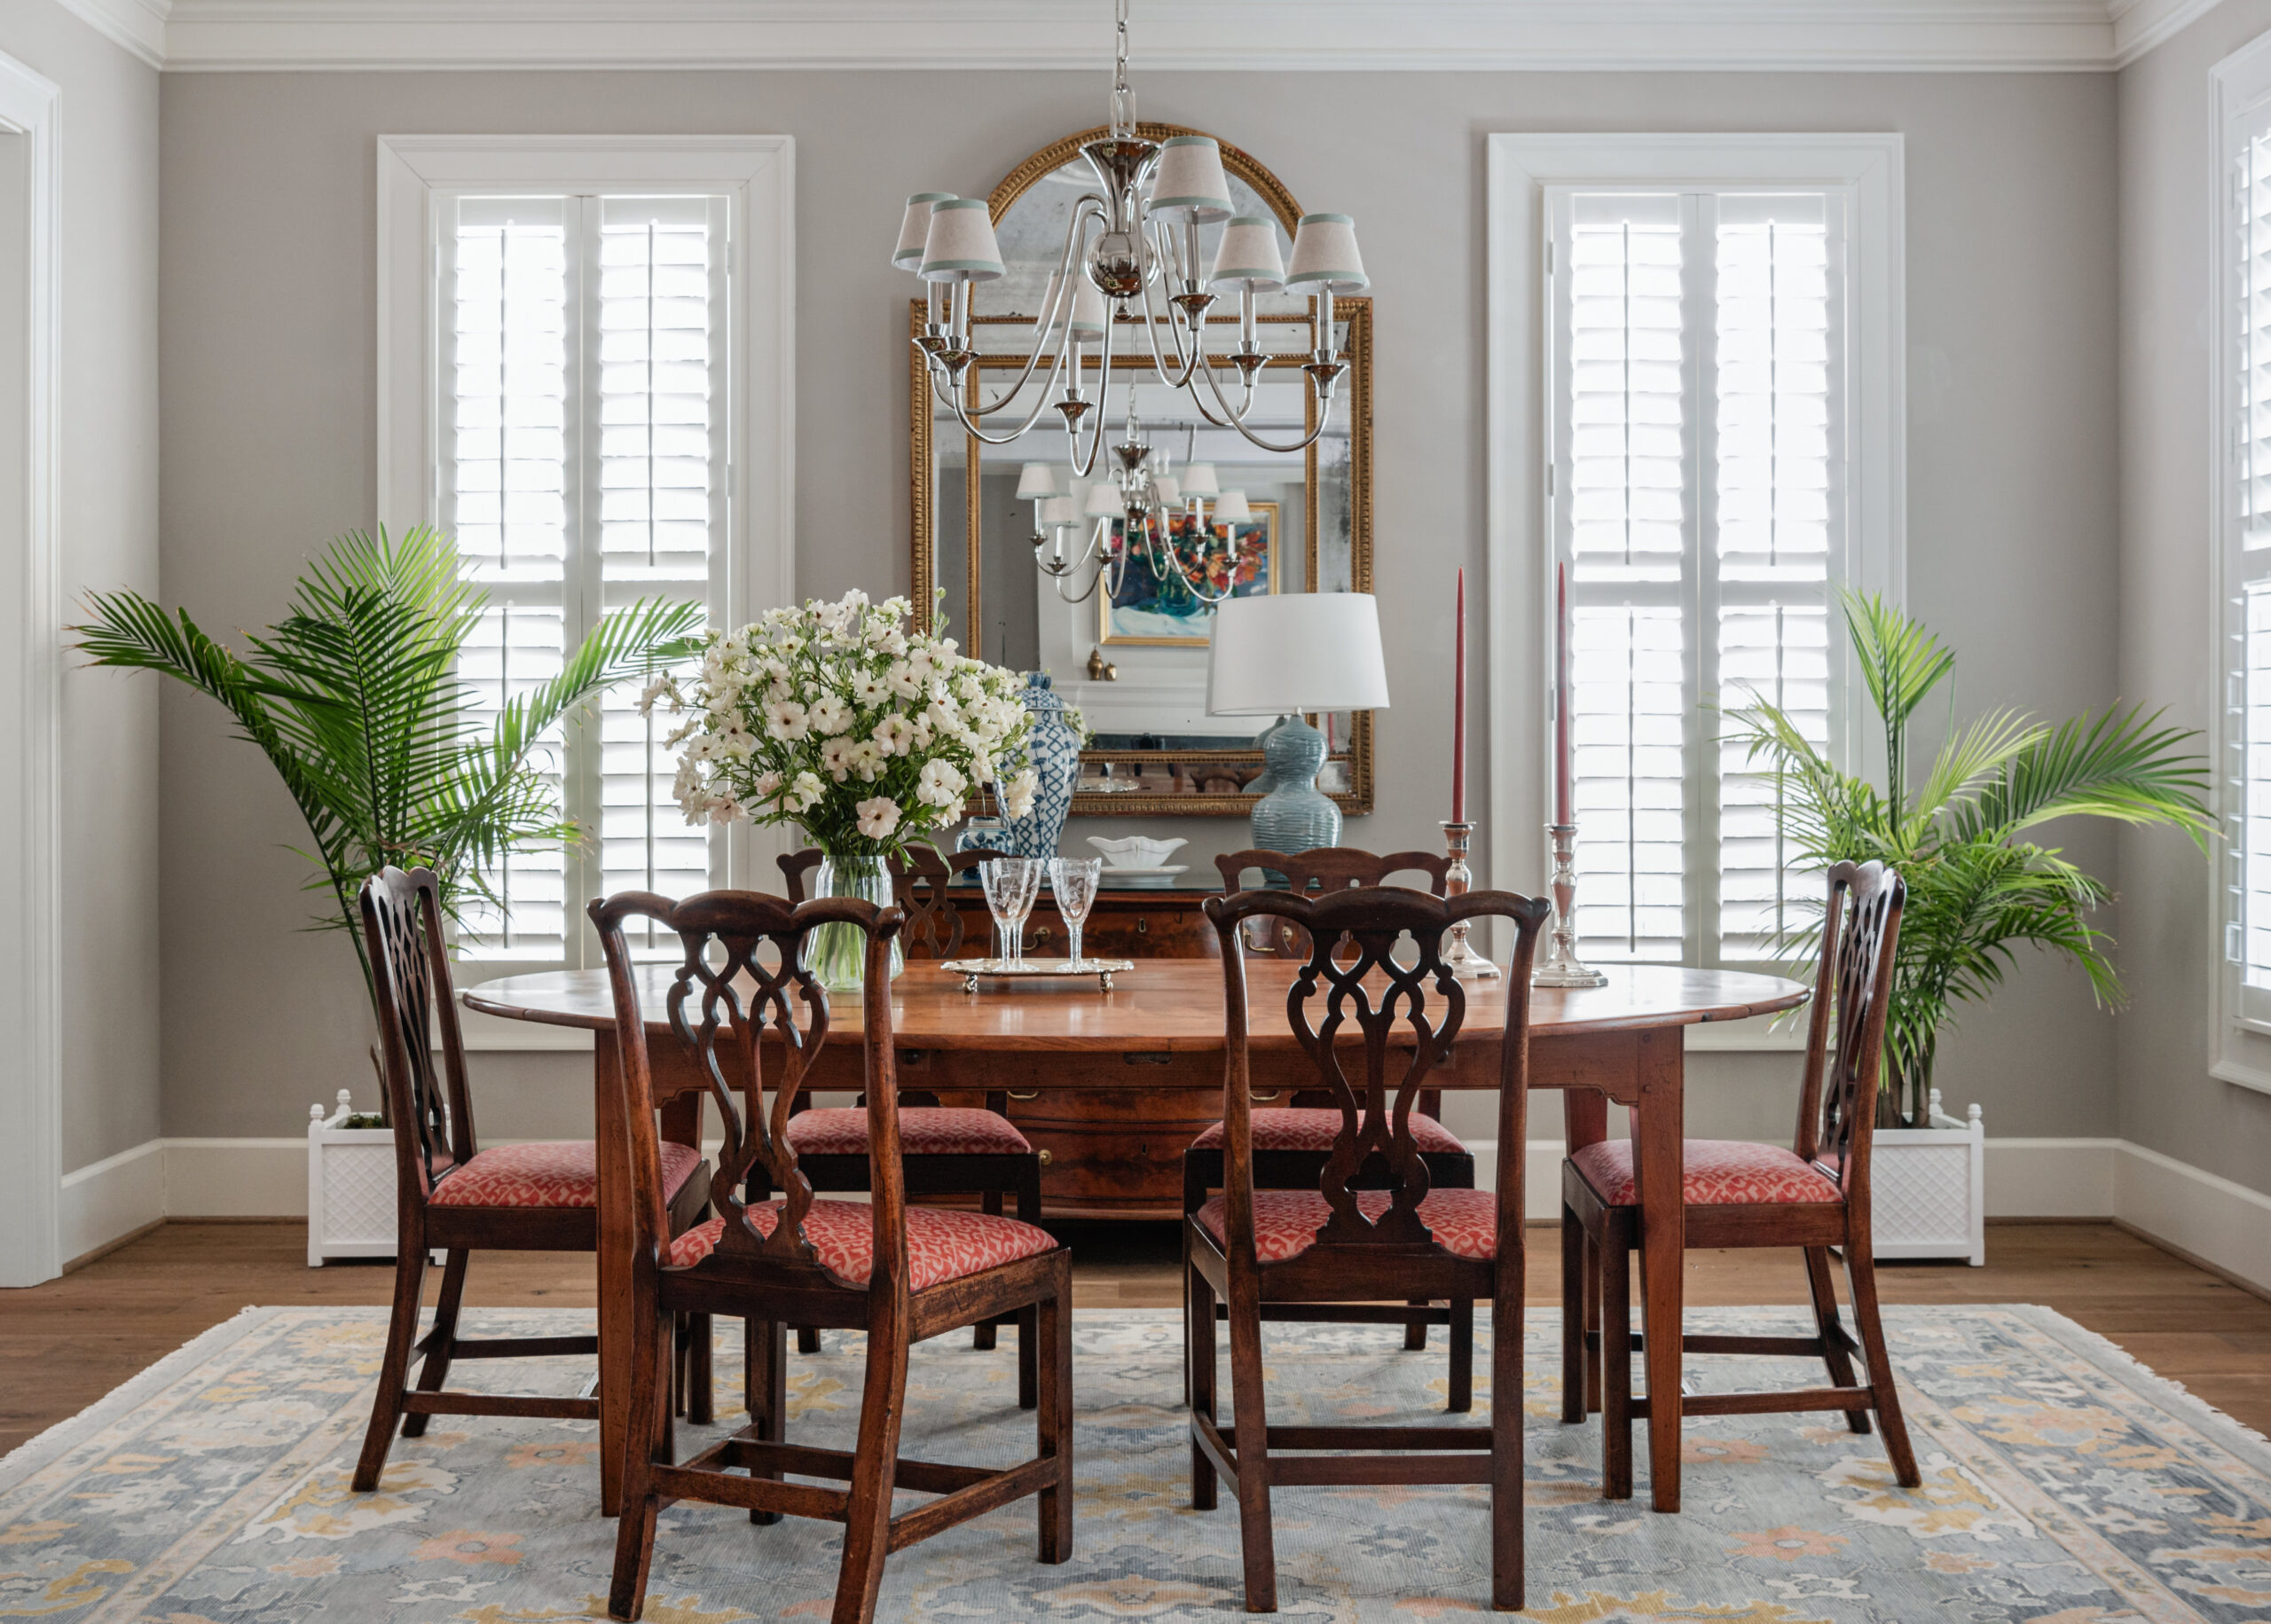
(1073, 880)
(1011, 884)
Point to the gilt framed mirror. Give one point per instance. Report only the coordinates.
(1129, 647)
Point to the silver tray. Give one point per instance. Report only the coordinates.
(974, 971)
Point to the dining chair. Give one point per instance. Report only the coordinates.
(456, 1197)
(1337, 1241)
(947, 1150)
(1737, 1194)
(1291, 1143)
(741, 1002)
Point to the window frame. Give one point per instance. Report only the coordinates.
(1867, 168)
(2239, 1045)
(757, 175)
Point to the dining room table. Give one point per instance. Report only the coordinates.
(1160, 1026)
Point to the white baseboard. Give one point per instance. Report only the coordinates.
(2215, 1220)
(112, 1197)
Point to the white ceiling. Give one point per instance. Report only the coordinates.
(2034, 36)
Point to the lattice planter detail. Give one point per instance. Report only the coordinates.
(1927, 1189)
(350, 1188)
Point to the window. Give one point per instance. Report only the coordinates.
(579, 429)
(1716, 454)
(2243, 261)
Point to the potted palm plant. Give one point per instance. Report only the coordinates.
(355, 699)
(1980, 882)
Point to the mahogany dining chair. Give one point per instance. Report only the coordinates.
(456, 1197)
(902, 1273)
(1737, 1194)
(1337, 1242)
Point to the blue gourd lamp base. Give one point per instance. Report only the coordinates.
(1295, 815)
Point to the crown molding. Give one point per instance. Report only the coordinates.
(138, 25)
(1173, 35)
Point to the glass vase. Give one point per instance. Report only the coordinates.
(838, 954)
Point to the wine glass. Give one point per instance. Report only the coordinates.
(1011, 883)
(1074, 881)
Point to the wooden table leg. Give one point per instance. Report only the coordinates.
(1658, 1128)
(616, 1329)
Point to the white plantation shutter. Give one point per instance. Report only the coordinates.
(583, 453)
(2245, 565)
(1698, 492)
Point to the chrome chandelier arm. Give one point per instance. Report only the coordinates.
(1088, 205)
(1237, 419)
(1082, 466)
(1160, 368)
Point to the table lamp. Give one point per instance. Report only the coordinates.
(1280, 654)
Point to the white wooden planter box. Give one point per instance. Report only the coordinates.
(350, 1188)
(1927, 1189)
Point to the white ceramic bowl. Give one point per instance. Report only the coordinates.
(1135, 851)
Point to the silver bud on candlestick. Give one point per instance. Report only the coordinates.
(1460, 958)
(1560, 967)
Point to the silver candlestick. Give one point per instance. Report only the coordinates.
(1561, 966)
(1462, 960)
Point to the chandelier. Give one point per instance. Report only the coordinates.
(1137, 232)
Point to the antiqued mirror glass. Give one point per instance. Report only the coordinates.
(1133, 660)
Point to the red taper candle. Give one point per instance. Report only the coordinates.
(1563, 810)
(1459, 709)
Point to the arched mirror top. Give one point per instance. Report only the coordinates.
(1063, 159)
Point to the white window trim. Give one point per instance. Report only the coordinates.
(2240, 1049)
(1520, 567)
(759, 172)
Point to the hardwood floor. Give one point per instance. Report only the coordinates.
(66, 1344)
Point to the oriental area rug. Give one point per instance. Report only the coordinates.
(2062, 1484)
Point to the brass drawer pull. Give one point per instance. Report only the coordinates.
(1034, 1094)
(1259, 1098)
(1041, 935)
(1046, 1158)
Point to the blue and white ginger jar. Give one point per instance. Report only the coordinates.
(1053, 751)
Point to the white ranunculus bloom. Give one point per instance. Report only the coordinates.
(867, 759)
(902, 679)
(830, 714)
(1017, 795)
(895, 734)
(786, 720)
(869, 689)
(941, 784)
(804, 794)
(879, 816)
(836, 755)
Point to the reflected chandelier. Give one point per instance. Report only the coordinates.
(1141, 229)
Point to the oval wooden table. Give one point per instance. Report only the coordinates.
(1161, 1027)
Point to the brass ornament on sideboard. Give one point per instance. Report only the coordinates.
(970, 537)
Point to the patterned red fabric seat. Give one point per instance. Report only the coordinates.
(1315, 1130)
(559, 1173)
(923, 1130)
(1285, 1221)
(1717, 1172)
(941, 1244)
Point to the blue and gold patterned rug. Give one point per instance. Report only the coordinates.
(2063, 1484)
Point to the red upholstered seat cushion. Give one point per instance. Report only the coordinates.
(1717, 1172)
(923, 1130)
(550, 1173)
(941, 1244)
(1315, 1130)
(1285, 1221)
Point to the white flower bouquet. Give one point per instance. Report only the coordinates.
(837, 717)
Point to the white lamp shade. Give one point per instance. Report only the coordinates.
(1247, 255)
(1104, 502)
(1231, 508)
(1188, 184)
(1088, 307)
(915, 227)
(1035, 480)
(1060, 510)
(1279, 653)
(1324, 255)
(1167, 490)
(959, 245)
(1198, 480)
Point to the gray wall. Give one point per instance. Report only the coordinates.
(108, 504)
(2168, 144)
(268, 430)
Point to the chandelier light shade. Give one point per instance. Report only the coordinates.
(1060, 510)
(1324, 255)
(1198, 480)
(1087, 310)
(1247, 255)
(959, 245)
(1104, 501)
(1036, 479)
(1189, 185)
(1168, 491)
(1231, 508)
(915, 228)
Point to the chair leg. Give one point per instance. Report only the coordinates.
(1249, 1415)
(1615, 1362)
(1029, 1348)
(1592, 1287)
(1052, 1338)
(982, 1334)
(1861, 1280)
(701, 1371)
(767, 1351)
(1462, 1371)
(634, 1531)
(1199, 1375)
(435, 1368)
(866, 1528)
(1506, 1438)
(1830, 1328)
(807, 1339)
(1573, 1317)
(394, 1370)
(1415, 1331)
